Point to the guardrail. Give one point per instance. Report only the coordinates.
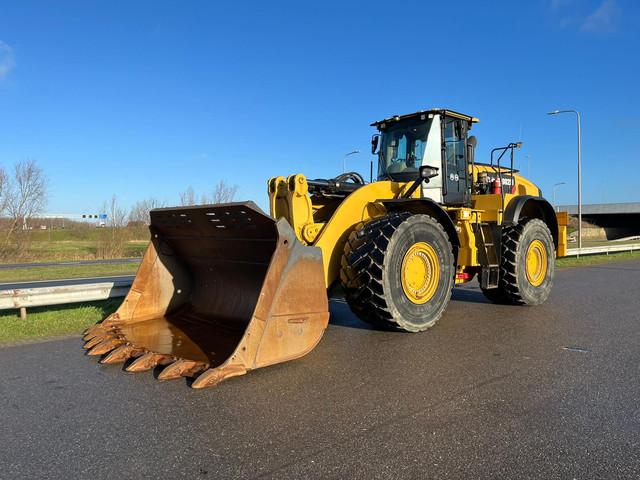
(629, 247)
(71, 263)
(21, 298)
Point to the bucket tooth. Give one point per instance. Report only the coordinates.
(96, 340)
(147, 362)
(91, 336)
(105, 346)
(121, 354)
(213, 376)
(102, 326)
(91, 332)
(181, 368)
(92, 342)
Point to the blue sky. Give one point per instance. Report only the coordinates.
(143, 99)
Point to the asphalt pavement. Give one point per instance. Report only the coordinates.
(490, 392)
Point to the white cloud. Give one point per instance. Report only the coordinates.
(7, 61)
(603, 19)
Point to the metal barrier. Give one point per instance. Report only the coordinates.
(607, 249)
(21, 298)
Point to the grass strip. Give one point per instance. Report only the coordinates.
(586, 260)
(67, 271)
(53, 320)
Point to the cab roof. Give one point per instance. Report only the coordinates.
(420, 113)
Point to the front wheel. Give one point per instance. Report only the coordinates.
(398, 271)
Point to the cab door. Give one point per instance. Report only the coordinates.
(454, 147)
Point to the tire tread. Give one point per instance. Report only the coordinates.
(362, 271)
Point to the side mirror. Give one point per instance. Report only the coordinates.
(375, 139)
(471, 149)
(427, 172)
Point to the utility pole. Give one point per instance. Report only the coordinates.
(556, 112)
(555, 187)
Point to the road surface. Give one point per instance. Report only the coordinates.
(490, 392)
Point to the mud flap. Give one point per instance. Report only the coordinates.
(221, 290)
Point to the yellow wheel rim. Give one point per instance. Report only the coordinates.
(536, 263)
(420, 273)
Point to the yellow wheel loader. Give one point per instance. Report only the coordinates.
(224, 289)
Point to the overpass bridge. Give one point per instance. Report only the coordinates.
(611, 220)
(594, 209)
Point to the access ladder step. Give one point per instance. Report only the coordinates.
(490, 277)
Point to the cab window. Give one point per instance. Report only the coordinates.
(454, 143)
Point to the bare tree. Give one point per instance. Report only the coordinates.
(222, 193)
(26, 195)
(188, 197)
(113, 240)
(4, 190)
(116, 216)
(140, 211)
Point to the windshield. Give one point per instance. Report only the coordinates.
(402, 150)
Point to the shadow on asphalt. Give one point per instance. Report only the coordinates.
(342, 316)
(468, 295)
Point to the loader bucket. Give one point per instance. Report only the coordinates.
(221, 290)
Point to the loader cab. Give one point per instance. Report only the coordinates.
(435, 138)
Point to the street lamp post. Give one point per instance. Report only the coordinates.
(555, 187)
(344, 160)
(555, 112)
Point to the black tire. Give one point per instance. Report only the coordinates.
(514, 286)
(371, 271)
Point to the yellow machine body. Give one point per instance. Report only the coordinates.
(326, 225)
(224, 289)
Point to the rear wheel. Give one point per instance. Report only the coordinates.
(527, 264)
(398, 271)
